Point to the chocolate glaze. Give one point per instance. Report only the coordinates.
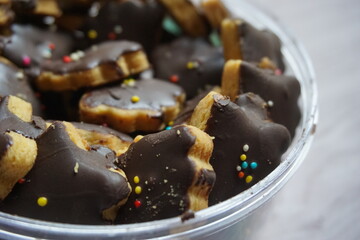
(165, 172)
(10, 122)
(5, 144)
(256, 44)
(139, 21)
(234, 126)
(77, 198)
(104, 53)
(153, 93)
(282, 90)
(31, 41)
(14, 82)
(172, 59)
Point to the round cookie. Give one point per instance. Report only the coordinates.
(107, 62)
(247, 145)
(190, 63)
(142, 105)
(169, 173)
(69, 182)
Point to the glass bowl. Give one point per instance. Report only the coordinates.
(231, 219)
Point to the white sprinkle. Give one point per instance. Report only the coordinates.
(270, 103)
(74, 56)
(238, 168)
(76, 168)
(118, 29)
(212, 138)
(49, 20)
(178, 132)
(246, 148)
(20, 75)
(80, 53)
(46, 54)
(165, 180)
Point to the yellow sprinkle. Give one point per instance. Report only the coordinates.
(242, 157)
(171, 123)
(191, 65)
(136, 179)
(248, 179)
(92, 34)
(138, 189)
(135, 99)
(42, 201)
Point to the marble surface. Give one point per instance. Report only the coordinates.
(322, 200)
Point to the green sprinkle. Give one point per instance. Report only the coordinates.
(171, 26)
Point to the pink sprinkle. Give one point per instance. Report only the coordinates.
(278, 72)
(26, 60)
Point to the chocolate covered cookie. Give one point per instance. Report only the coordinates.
(169, 173)
(281, 92)
(69, 182)
(142, 105)
(103, 63)
(190, 63)
(247, 145)
(243, 41)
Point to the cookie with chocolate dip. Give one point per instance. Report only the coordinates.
(243, 41)
(280, 92)
(18, 149)
(247, 144)
(190, 63)
(14, 82)
(185, 13)
(107, 62)
(70, 181)
(133, 20)
(142, 105)
(28, 46)
(169, 173)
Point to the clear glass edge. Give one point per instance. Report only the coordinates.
(223, 214)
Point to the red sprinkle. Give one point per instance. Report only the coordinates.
(104, 125)
(111, 36)
(278, 72)
(66, 59)
(21, 180)
(174, 78)
(26, 60)
(137, 203)
(241, 174)
(51, 46)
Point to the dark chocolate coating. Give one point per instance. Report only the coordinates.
(104, 53)
(234, 126)
(139, 20)
(256, 44)
(12, 84)
(31, 41)
(165, 172)
(172, 59)
(153, 93)
(5, 144)
(10, 122)
(77, 198)
(282, 90)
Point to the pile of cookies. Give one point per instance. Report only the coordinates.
(125, 111)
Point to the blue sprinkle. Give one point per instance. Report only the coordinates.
(244, 165)
(168, 128)
(253, 165)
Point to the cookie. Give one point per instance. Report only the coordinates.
(36, 8)
(6, 14)
(169, 173)
(215, 12)
(243, 41)
(191, 21)
(247, 145)
(142, 105)
(281, 92)
(16, 115)
(28, 46)
(133, 20)
(14, 82)
(103, 63)
(69, 182)
(190, 63)
(104, 136)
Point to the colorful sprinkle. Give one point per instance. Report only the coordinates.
(51, 46)
(129, 82)
(215, 39)
(138, 190)
(21, 180)
(76, 168)
(246, 148)
(248, 179)
(171, 123)
(136, 179)
(171, 26)
(174, 78)
(42, 201)
(244, 165)
(46, 53)
(67, 59)
(270, 103)
(243, 157)
(168, 128)
(238, 168)
(26, 60)
(111, 36)
(137, 203)
(118, 29)
(241, 174)
(20, 75)
(253, 165)
(278, 72)
(192, 65)
(135, 99)
(92, 34)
